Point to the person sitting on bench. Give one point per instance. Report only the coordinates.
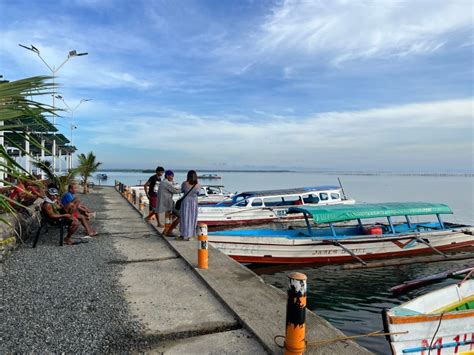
(72, 205)
(51, 210)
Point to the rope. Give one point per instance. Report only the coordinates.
(435, 333)
(376, 333)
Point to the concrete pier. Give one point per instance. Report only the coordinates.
(224, 309)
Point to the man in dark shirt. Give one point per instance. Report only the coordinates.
(150, 192)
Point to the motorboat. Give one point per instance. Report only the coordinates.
(101, 176)
(213, 194)
(438, 322)
(208, 194)
(253, 207)
(389, 230)
(209, 176)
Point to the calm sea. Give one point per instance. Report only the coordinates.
(353, 300)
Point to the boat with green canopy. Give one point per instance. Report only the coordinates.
(367, 231)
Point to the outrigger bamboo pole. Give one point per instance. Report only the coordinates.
(415, 260)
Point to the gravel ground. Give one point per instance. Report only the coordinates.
(66, 299)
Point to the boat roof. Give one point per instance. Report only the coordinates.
(337, 213)
(297, 190)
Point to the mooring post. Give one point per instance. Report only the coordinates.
(141, 204)
(296, 314)
(203, 248)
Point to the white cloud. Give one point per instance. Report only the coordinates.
(341, 31)
(415, 135)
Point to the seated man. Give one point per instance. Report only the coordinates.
(50, 209)
(72, 205)
(70, 196)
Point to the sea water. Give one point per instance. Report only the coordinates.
(352, 300)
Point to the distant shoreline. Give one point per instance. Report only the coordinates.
(361, 173)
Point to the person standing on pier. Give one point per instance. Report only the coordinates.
(165, 202)
(188, 212)
(152, 195)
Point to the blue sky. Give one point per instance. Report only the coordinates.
(346, 85)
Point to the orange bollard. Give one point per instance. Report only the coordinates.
(141, 204)
(203, 252)
(167, 222)
(296, 314)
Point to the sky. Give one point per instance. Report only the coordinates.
(250, 84)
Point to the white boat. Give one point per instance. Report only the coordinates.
(439, 322)
(209, 176)
(331, 243)
(213, 194)
(208, 194)
(253, 207)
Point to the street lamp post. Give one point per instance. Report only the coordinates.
(72, 110)
(54, 70)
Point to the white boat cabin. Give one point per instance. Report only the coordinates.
(312, 195)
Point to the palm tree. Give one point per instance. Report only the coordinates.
(17, 112)
(87, 165)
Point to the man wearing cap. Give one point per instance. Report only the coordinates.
(165, 199)
(151, 194)
(51, 210)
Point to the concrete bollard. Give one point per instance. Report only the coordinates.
(167, 222)
(203, 251)
(296, 314)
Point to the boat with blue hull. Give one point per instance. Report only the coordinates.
(375, 231)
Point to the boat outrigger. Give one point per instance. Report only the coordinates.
(439, 322)
(330, 243)
(254, 207)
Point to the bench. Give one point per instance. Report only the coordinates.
(46, 222)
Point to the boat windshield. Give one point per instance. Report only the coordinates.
(240, 201)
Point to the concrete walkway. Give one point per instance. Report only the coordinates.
(225, 309)
(179, 312)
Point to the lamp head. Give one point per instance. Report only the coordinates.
(73, 53)
(31, 48)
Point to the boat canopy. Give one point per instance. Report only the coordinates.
(328, 214)
(297, 190)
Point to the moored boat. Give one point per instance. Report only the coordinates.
(209, 176)
(253, 207)
(208, 194)
(101, 176)
(439, 322)
(343, 243)
(213, 194)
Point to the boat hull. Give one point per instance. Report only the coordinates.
(236, 216)
(271, 250)
(420, 328)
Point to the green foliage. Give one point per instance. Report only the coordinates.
(18, 113)
(87, 166)
(61, 181)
